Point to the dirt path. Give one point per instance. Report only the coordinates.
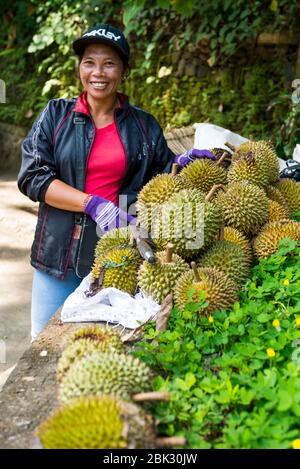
(17, 224)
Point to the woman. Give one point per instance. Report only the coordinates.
(85, 156)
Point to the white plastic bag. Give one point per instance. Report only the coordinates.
(212, 136)
(296, 153)
(110, 305)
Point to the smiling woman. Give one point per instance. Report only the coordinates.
(82, 157)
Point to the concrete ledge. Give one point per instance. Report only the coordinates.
(29, 395)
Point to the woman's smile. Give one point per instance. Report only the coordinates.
(101, 70)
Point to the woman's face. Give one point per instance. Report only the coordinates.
(101, 71)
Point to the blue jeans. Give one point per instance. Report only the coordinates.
(48, 294)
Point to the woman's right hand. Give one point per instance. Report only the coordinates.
(106, 214)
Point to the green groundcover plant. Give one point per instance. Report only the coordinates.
(234, 376)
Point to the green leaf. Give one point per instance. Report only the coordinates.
(263, 317)
(163, 3)
(274, 5)
(285, 401)
(190, 380)
(130, 11)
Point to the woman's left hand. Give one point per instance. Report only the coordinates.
(193, 154)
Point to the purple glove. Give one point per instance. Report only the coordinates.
(191, 155)
(106, 214)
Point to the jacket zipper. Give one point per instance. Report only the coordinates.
(125, 152)
(74, 231)
(88, 157)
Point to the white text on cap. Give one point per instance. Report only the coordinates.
(102, 32)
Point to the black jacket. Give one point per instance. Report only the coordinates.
(49, 152)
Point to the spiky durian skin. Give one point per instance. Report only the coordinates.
(113, 238)
(235, 236)
(218, 152)
(120, 266)
(203, 174)
(250, 169)
(117, 237)
(264, 152)
(86, 341)
(274, 194)
(154, 194)
(97, 423)
(158, 280)
(276, 211)
(188, 222)
(98, 333)
(266, 242)
(244, 207)
(220, 289)
(105, 373)
(291, 193)
(227, 257)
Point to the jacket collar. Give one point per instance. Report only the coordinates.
(81, 104)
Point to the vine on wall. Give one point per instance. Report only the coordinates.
(238, 90)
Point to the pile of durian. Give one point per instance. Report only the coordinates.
(99, 386)
(221, 215)
(209, 223)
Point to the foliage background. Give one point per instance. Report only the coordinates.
(226, 78)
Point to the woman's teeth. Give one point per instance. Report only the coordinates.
(99, 86)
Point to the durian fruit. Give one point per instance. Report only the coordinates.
(227, 257)
(266, 242)
(264, 152)
(221, 291)
(224, 156)
(106, 336)
(244, 207)
(189, 221)
(276, 211)
(119, 268)
(155, 193)
(248, 168)
(218, 151)
(111, 239)
(204, 174)
(158, 280)
(291, 193)
(95, 422)
(235, 236)
(274, 194)
(86, 341)
(105, 373)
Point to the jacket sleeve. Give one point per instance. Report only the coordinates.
(163, 157)
(38, 163)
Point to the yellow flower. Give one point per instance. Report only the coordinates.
(297, 321)
(286, 282)
(276, 323)
(271, 352)
(296, 443)
(210, 318)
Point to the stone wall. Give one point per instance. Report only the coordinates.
(30, 394)
(11, 137)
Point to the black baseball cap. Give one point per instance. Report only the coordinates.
(105, 34)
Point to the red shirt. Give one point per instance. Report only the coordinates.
(106, 165)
